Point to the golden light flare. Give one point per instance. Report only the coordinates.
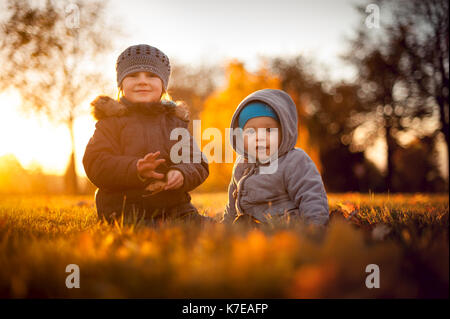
(37, 142)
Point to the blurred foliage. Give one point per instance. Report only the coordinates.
(194, 85)
(415, 167)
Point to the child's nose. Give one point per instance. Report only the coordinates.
(142, 78)
(261, 135)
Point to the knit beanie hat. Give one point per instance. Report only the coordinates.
(145, 58)
(255, 109)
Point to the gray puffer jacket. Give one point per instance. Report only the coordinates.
(295, 187)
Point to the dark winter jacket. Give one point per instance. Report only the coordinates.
(126, 132)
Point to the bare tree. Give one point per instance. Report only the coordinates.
(423, 27)
(403, 69)
(49, 51)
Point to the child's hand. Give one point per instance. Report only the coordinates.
(174, 179)
(146, 166)
(155, 187)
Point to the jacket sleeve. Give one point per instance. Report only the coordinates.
(230, 213)
(305, 187)
(194, 173)
(230, 209)
(103, 163)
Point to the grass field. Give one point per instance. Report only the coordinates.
(407, 236)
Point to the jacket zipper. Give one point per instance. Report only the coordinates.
(142, 121)
(145, 133)
(239, 188)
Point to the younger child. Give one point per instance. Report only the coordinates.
(272, 178)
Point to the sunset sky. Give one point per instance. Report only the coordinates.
(194, 32)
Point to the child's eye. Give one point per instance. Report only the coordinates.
(249, 131)
(271, 130)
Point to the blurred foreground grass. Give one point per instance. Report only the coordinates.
(407, 236)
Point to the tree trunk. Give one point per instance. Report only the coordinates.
(71, 182)
(390, 144)
(444, 123)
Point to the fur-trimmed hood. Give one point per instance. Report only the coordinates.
(104, 106)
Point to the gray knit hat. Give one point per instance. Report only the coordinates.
(143, 57)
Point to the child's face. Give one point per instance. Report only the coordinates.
(262, 137)
(142, 87)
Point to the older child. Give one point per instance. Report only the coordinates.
(272, 178)
(128, 157)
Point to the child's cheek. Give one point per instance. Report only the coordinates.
(273, 143)
(250, 143)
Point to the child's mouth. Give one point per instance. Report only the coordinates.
(260, 149)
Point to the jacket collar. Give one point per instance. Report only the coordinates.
(146, 108)
(104, 106)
